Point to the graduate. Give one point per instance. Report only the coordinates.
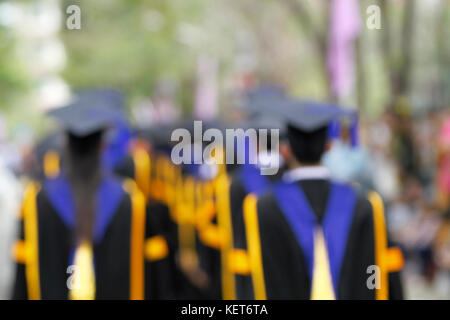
(200, 240)
(85, 233)
(310, 237)
(123, 153)
(262, 112)
(175, 188)
(249, 179)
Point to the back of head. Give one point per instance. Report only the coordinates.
(84, 145)
(308, 125)
(308, 147)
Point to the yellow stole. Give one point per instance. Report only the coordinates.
(322, 284)
(84, 288)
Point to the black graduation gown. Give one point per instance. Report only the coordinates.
(126, 168)
(122, 268)
(238, 192)
(284, 265)
(180, 285)
(210, 263)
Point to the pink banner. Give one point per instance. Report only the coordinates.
(206, 92)
(345, 25)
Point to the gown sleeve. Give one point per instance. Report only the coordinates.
(160, 266)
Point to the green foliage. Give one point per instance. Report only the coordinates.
(13, 79)
(128, 45)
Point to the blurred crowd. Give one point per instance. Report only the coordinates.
(402, 155)
(407, 156)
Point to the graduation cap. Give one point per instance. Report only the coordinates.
(267, 121)
(158, 135)
(265, 90)
(310, 116)
(110, 99)
(106, 97)
(84, 116)
(263, 108)
(263, 98)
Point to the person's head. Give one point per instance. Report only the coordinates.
(307, 135)
(84, 153)
(304, 148)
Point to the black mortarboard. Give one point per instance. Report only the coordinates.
(106, 97)
(309, 116)
(84, 116)
(263, 99)
(268, 120)
(311, 124)
(188, 124)
(110, 99)
(263, 108)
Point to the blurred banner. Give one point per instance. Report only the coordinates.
(345, 27)
(206, 92)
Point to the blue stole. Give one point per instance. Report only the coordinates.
(336, 222)
(252, 179)
(109, 196)
(118, 148)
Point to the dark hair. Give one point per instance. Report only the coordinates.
(307, 147)
(84, 175)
